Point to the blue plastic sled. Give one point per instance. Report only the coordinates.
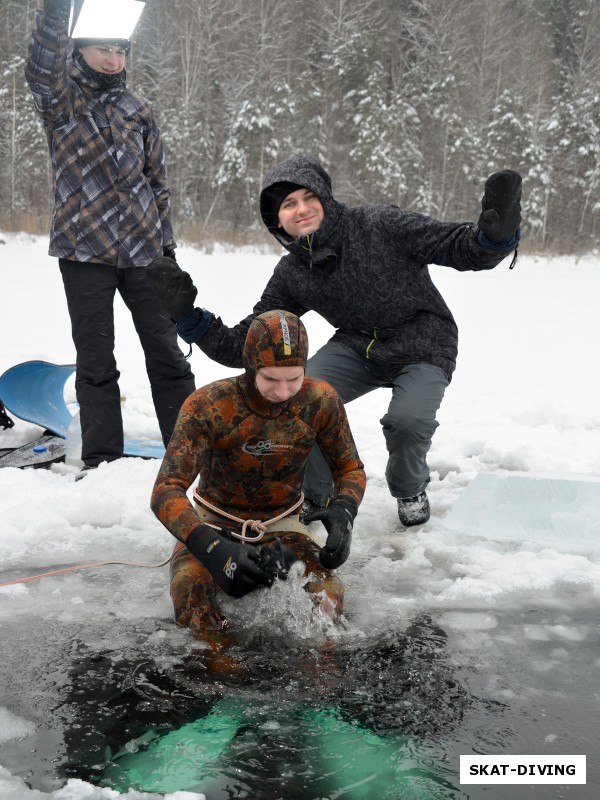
(34, 392)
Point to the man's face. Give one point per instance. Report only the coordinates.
(278, 384)
(301, 213)
(106, 58)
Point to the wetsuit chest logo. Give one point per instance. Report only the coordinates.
(264, 447)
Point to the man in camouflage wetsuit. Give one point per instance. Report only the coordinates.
(247, 439)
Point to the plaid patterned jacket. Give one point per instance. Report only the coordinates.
(111, 198)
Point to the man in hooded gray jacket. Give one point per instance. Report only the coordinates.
(365, 270)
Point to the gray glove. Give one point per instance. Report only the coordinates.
(58, 9)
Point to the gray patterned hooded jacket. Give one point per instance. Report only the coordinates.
(365, 270)
(113, 205)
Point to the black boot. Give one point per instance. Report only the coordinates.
(413, 510)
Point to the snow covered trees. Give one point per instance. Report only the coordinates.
(406, 101)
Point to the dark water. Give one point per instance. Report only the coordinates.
(369, 714)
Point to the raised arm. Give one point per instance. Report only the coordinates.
(46, 68)
(463, 246)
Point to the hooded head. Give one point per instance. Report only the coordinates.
(302, 172)
(275, 339)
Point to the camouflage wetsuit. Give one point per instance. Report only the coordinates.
(250, 455)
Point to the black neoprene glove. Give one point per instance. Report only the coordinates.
(337, 518)
(58, 9)
(236, 567)
(173, 287)
(501, 206)
(169, 252)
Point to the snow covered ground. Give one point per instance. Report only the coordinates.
(521, 614)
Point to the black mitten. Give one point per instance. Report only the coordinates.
(58, 9)
(236, 567)
(173, 287)
(337, 519)
(501, 206)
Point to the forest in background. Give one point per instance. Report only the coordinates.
(412, 102)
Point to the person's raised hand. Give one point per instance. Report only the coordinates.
(501, 206)
(58, 9)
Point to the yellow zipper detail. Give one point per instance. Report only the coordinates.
(373, 340)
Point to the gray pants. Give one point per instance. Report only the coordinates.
(408, 426)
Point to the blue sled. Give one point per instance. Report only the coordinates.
(34, 392)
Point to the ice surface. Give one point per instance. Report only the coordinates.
(13, 788)
(13, 727)
(558, 510)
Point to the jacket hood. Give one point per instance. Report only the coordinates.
(303, 171)
(275, 339)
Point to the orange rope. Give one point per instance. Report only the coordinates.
(84, 566)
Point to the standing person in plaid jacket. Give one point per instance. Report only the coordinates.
(111, 219)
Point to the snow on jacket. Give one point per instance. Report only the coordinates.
(365, 270)
(111, 205)
(250, 454)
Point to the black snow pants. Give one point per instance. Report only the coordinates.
(90, 292)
